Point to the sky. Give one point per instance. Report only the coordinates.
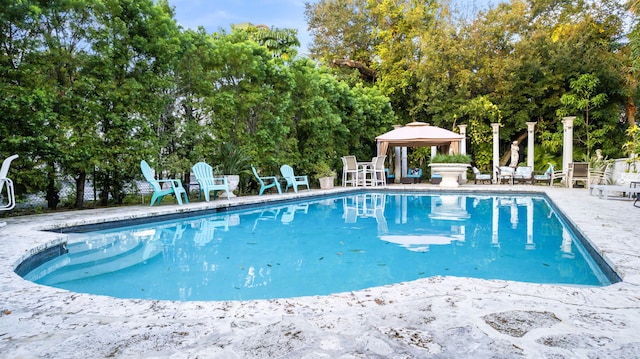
(215, 15)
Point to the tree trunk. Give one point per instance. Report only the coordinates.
(53, 198)
(104, 193)
(630, 109)
(80, 180)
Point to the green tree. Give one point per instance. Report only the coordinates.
(585, 99)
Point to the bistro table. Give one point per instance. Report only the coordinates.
(364, 168)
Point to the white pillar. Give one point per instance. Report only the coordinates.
(434, 151)
(463, 143)
(397, 165)
(495, 127)
(530, 142)
(567, 143)
(463, 147)
(404, 161)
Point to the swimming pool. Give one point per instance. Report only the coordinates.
(326, 246)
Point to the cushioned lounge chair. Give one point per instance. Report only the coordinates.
(504, 173)
(544, 177)
(523, 174)
(414, 175)
(175, 186)
(482, 177)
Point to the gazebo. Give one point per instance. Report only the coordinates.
(418, 134)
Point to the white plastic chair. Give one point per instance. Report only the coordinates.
(8, 183)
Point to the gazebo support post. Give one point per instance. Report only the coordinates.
(397, 165)
(463, 147)
(404, 162)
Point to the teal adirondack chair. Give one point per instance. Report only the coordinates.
(207, 182)
(266, 182)
(175, 188)
(293, 180)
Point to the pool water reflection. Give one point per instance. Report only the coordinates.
(325, 246)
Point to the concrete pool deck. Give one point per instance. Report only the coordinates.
(439, 317)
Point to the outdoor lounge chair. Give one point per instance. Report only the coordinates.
(391, 177)
(175, 188)
(207, 182)
(504, 173)
(523, 174)
(558, 175)
(544, 177)
(6, 182)
(414, 175)
(293, 180)
(480, 176)
(266, 182)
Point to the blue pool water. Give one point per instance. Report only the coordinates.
(325, 246)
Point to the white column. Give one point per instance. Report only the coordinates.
(567, 143)
(404, 161)
(495, 127)
(463, 143)
(530, 142)
(397, 165)
(463, 147)
(434, 151)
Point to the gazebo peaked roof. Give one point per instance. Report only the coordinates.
(418, 134)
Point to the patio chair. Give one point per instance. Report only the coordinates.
(578, 171)
(266, 182)
(207, 182)
(391, 177)
(8, 183)
(480, 176)
(414, 175)
(558, 175)
(544, 177)
(349, 171)
(523, 174)
(293, 180)
(176, 188)
(504, 173)
(379, 174)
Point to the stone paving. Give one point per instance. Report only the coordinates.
(438, 317)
